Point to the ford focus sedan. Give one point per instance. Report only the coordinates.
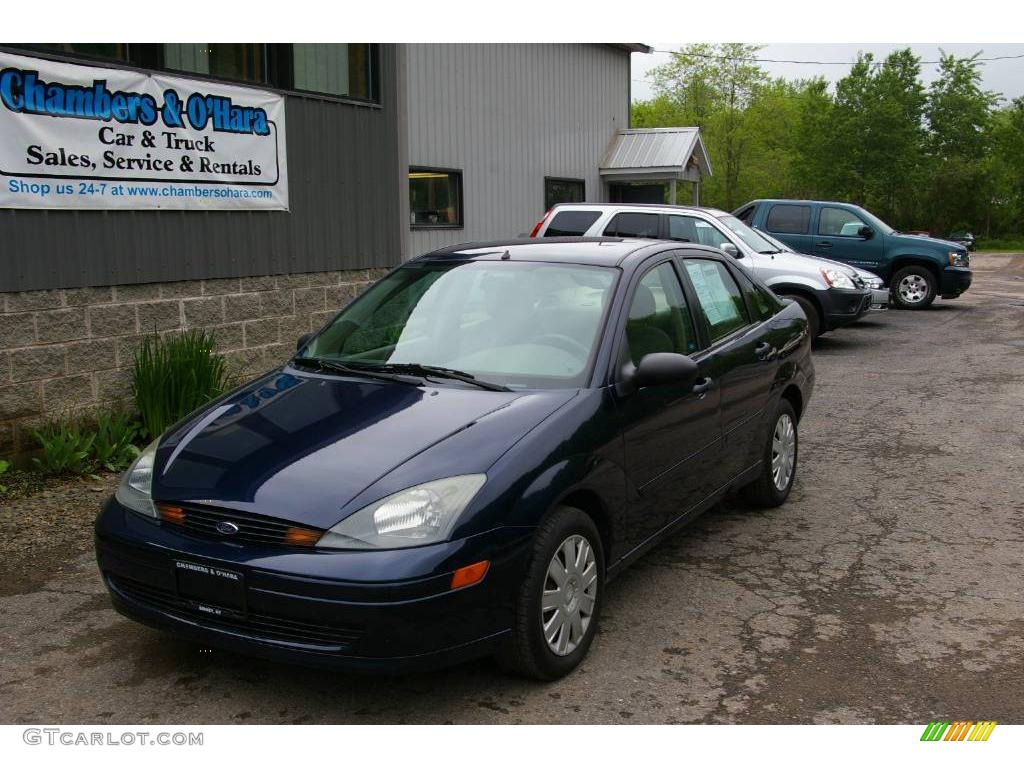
(460, 460)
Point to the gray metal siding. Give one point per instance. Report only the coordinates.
(344, 187)
(507, 116)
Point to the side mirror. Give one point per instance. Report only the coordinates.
(732, 250)
(664, 368)
(302, 341)
(866, 232)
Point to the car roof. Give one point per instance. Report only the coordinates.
(595, 251)
(639, 206)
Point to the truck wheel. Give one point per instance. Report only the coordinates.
(560, 599)
(913, 287)
(813, 316)
(778, 469)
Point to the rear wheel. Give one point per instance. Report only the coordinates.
(913, 287)
(559, 602)
(778, 468)
(814, 328)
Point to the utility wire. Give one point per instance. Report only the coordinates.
(823, 63)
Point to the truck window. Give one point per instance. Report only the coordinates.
(789, 219)
(838, 222)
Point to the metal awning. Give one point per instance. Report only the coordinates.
(656, 154)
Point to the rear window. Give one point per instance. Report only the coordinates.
(789, 219)
(633, 225)
(571, 223)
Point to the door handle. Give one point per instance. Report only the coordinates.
(824, 244)
(765, 351)
(701, 387)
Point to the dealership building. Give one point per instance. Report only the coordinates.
(253, 189)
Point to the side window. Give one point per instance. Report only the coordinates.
(633, 225)
(690, 229)
(571, 223)
(789, 219)
(747, 215)
(659, 320)
(837, 222)
(719, 296)
(762, 301)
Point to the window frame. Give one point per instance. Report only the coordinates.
(457, 172)
(807, 223)
(376, 87)
(564, 180)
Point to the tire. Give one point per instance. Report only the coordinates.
(527, 652)
(813, 315)
(765, 492)
(913, 287)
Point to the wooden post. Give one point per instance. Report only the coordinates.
(696, 193)
(672, 192)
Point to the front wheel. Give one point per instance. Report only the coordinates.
(913, 288)
(778, 468)
(814, 324)
(559, 602)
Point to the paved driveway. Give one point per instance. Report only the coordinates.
(888, 589)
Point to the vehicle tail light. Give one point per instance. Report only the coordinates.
(540, 224)
(470, 574)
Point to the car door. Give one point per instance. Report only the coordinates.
(790, 223)
(742, 357)
(837, 236)
(671, 432)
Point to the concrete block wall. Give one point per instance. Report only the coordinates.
(67, 350)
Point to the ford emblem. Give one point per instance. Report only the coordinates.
(227, 528)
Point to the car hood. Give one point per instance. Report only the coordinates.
(802, 263)
(300, 447)
(924, 243)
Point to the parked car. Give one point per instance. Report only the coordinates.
(879, 293)
(829, 293)
(964, 238)
(917, 269)
(460, 459)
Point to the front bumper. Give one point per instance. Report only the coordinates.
(316, 607)
(842, 306)
(879, 300)
(954, 281)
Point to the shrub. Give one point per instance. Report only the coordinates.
(113, 448)
(4, 466)
(66, 447)
(174, 376)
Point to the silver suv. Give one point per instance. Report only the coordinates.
(831, 294)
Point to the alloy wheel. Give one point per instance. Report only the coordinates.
(913, 289)
(783, 451)
(569, 596)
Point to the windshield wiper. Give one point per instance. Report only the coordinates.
(330, 365)
(419, 369)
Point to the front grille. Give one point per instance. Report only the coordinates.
(255, 625)
(255, 529)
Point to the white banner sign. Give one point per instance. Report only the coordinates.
(81, 137)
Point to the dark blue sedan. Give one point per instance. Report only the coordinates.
(460, 460)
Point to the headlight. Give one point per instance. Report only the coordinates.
(135, 491)
(871, 280)
(959, 259)
(837, 279)
(423, 514)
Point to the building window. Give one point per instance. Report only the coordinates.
(563, 191)
(348, 70)
(435, 197)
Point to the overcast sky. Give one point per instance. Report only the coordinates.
(1005, 77)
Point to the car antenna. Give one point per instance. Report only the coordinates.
(506, 256)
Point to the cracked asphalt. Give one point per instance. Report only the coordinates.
(888, 589)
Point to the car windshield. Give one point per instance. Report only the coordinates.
(513, 323)
(751, 237)
(874, 222)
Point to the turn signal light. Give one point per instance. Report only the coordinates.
(470, 574)
(172, 514)
(302, 537)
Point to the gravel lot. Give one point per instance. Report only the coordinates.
(888, 589)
